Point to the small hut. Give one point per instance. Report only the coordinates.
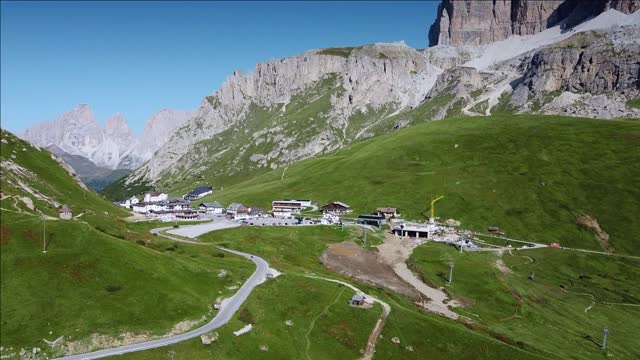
(357, 300)
(65, 213)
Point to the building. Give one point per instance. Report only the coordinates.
(375, 220)
(177, 204)
(155, 196)
(357, 300)
(140, 207)
(240, 213)
(286, 208)
(186, 215)
(387, 212)
(233, 208)
(128, 202)
(65, 213)
(416, 230)
(199, 192)
(304, 203)
(337, 208)
(212, 208)
(257, 213)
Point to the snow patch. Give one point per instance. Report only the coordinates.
(516, 45)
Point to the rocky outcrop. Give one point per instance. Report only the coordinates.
(585, 63)
(367, 78)
(478, 22)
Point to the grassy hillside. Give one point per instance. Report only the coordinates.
(530, 175)
(557, 311)
(324, 327)
(100, 275)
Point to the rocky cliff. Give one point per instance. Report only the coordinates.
(289, 109)
(587, 63)
(478, 22)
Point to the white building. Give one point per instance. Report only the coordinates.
(285, 208)
(133, 200)
(155, 197)
(212, 207)
(304, 203)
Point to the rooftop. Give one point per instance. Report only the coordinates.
(214, 204)
(339, 204)
(200, 189)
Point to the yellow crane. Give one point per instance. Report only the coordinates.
(434, 200)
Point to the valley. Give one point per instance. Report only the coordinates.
(475, 199)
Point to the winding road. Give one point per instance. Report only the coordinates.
(222, 317)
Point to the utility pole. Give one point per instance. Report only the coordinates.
(365, 236)
(450, 272)
(44, 234)
(604, 339)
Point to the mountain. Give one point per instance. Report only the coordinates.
(479, 22)
(92, 175)
(290, 109)
(77, 132)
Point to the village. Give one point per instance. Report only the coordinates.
(296, 212)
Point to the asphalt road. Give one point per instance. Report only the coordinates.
(193, 231)
(222, 317)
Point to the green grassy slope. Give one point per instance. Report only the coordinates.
(558, 312)
(325, 327)
(100, 274)
(530, 175)
(89, 282)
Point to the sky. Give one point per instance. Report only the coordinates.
(136, 58)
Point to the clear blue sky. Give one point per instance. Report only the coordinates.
(139, 57)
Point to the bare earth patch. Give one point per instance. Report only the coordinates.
(348, 259)
(395, 251)
(387, 267)
(592, 223)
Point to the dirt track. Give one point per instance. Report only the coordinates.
(395, 252)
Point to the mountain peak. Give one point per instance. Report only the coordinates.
(479, 22)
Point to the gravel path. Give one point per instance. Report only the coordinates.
(395, 252)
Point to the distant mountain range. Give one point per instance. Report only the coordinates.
(101, 155)
(77, 132)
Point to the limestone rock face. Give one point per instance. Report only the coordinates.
(369, 77)
(478, 22)
(588, 63)
(158, 129)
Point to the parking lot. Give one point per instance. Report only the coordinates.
(278, 222)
